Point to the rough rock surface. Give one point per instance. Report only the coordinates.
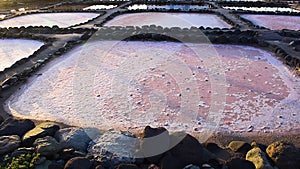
(258, 158)
(42, 130)
(239, 163)
(189, 150)
(127, 166)
(15, 127)
(218, 151)
(191, 166)
(9, 143)
(117, 146)
(47, 146)
(74, 137)
(78, 163)
(239, 147)
(154, 142)
(68, 153)
(44, 165)
(285, 155)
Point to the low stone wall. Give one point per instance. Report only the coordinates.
(50, 145)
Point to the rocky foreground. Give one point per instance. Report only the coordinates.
(50, 145)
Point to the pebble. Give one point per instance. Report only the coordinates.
(250, 128)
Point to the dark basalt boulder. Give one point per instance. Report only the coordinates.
(189, 150)
(239, 163)
(9, 143)
(127, 166)
(74, 137)
(239, 147)
(285, 155)
(16, 127)
(154, 143)
(78, 163)
(41, 130)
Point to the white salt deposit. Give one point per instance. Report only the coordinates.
(12, 50)
(134, 84)
(21, 9)
(48, 19)
(263, 9)
(137, 6)
(2, 17)
(97, 7)
(183, 20)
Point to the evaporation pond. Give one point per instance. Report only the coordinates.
(129, 85)
(274, 22)
(182, 20)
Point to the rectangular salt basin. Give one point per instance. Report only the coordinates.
(263, 9)
(97, 7)
(12, 50)
(182, 20)
(129, 85)
(49, 19)
(274, 22)
(181, 7)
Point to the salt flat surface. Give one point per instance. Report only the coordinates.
(275, 22)
(128, 85)
(12, 50)
(96, 7)
(265, 9)
(48, 19)
(183, 20)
